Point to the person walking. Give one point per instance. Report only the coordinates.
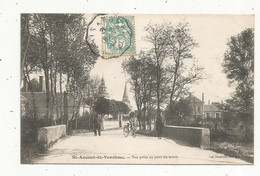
(97, 125)
(159, 127)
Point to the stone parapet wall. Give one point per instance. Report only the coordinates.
(48, 135)
(194, 136)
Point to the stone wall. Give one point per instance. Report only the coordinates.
(194, 136)
(48, 135)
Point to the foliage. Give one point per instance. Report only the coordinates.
(29, 136)
(102, 106)
(165, 72)
(84, 122)
(239, 66)
(118, 107)
(181, 109)
(54, 44)
(180, 46)
(235, 149)
(123, 108)
(141, 70)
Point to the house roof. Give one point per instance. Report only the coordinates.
(211, 108)
(192, 98)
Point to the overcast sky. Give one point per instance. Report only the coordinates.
(210, 31)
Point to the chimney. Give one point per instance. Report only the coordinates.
(25, 85)
(42, 85)
(202, 98)
(209, 102)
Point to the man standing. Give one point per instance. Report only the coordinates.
(159, 127)
(97, 125)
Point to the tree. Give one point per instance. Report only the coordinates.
(133, 67)
(92, 91)
(102, 106)
(157, 37)
(239, 66)
(117, 109)
(55, 44)
(25, 39)
(182, 109)
(122, 107)
(142, 76)
(180, 45)
(164, 72)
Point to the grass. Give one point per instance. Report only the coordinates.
(235, 149)
(232, 149)
(30, 151)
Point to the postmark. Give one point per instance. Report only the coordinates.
(111, 36)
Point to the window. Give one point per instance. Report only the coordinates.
(217, 115)
(199, 109)
(208, 115)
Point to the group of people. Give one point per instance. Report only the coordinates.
(132, 121)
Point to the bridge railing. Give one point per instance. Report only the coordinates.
(194, 136)
(48, 135)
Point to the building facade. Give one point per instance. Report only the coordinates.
(202, 110)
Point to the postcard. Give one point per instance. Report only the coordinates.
(163, 89)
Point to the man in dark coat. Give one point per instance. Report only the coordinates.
(97, 125)
(159, 127)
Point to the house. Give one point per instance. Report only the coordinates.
(196, 106)
(211, 111)
(200, 109)
(41, 103)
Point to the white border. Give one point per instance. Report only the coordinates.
(10, 75)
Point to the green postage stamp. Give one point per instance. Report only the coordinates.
(118, 36)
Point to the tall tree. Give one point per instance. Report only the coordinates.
(239, 66)
(157, 37)
(180, 45)
(58, 47)
(133, 67)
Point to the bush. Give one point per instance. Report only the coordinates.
(29, 136)
(238, 150)
(83, 122)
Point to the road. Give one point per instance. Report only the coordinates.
(113, 148)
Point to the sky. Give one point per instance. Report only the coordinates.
(211, 32)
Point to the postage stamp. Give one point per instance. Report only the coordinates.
(119, 36)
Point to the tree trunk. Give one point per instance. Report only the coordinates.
(55, 92)
(66, 114)
(24, 53)
(61, 98)
(139, 118)
(47, 94)
(144, 117)
(120, 120)
(77, 114)
(52, 94)
(32, 93)
(150, 118)
(158, 81)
